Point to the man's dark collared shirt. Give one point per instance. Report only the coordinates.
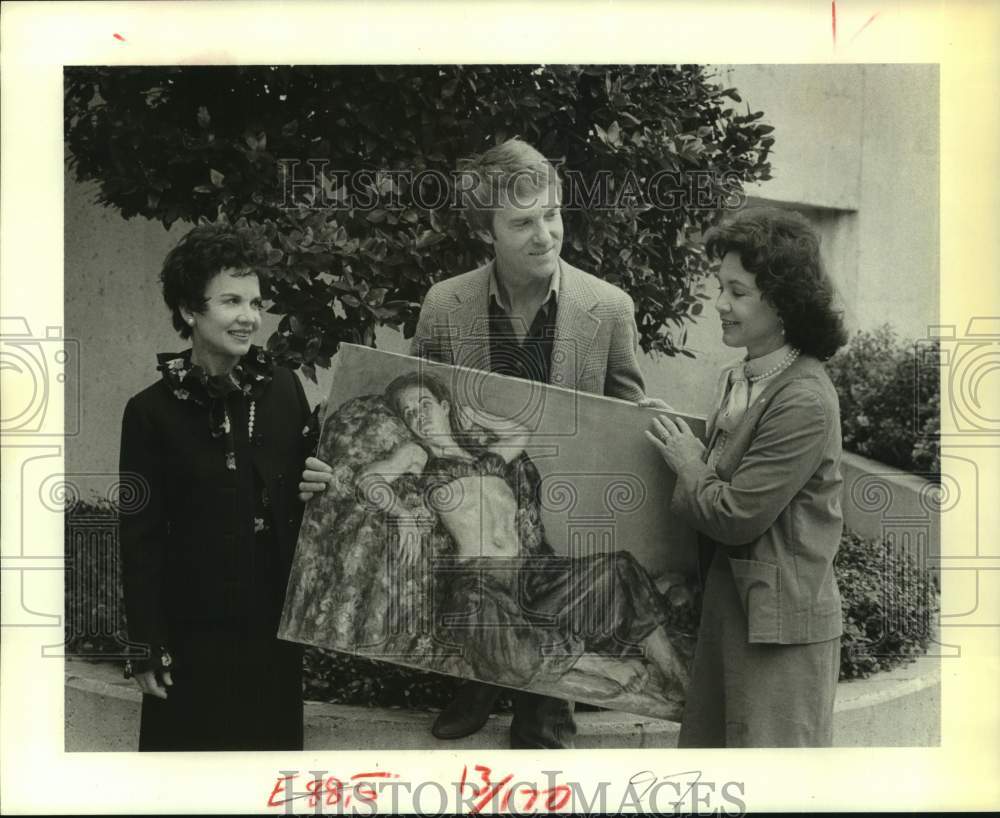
(530, 358)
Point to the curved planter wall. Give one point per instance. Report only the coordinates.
(883, 501)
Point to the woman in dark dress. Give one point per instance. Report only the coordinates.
(216, 445)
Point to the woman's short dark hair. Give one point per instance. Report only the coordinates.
(781, 249)
(199, 256)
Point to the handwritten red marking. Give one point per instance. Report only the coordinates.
(833, 11)
(335, 790)
(365, 791)
(489, 789)
(279, 787)
(876, 14)
(557, 797)
(119, 37)
(314, 788)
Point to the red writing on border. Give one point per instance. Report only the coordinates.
(329, 790)
(486, 791)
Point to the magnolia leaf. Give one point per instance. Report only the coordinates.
(428, 238)
(216, 177)
(614, 134)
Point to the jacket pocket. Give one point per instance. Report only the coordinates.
(758, 586)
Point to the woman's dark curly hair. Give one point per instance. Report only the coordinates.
(781, 249)
(199, 256)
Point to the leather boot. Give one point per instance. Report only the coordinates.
(467, 712)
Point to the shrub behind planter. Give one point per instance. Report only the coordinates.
(889, 604)
(889, 400)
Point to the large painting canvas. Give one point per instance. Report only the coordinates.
(493, 528)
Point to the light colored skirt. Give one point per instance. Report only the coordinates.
(755, 695)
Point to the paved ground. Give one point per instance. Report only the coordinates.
(901, 708)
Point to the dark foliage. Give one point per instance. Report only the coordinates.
(890, 400)
(656, 151)
(95, 612)
(889, 602)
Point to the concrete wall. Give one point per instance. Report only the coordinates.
(898, 229)
(880, 501)
(862, 142)
(856, 146)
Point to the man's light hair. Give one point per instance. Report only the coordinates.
(513, 171)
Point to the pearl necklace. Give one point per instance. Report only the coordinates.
(783, 364)
(250, 420)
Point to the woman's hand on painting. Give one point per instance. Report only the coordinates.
(151, 685)
(316, 476)
(675, 441)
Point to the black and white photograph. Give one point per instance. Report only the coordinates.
(463, 407)
(625, 247)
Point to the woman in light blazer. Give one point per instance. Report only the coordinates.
(764, 495)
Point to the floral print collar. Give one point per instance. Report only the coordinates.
(189, 382)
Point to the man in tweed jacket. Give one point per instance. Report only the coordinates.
(594, 343)
(529, 314)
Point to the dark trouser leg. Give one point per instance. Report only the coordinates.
(705, 712)
(541, 723)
